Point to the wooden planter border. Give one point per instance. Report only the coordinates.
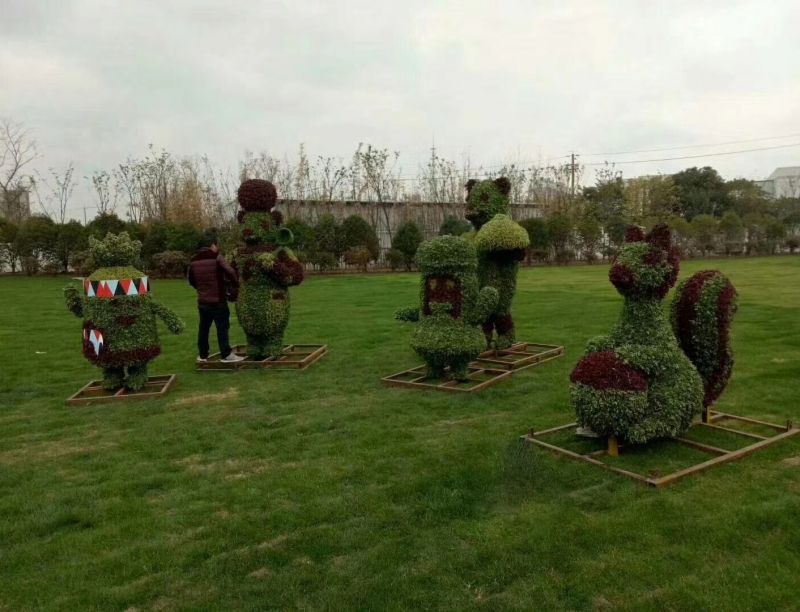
(93, 393)
(498, 364)
(294, 357)
(655, 479)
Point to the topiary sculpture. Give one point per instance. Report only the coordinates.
(119, 330)
(266, 267)
(501, 245)
(452, 307)
(640, 382)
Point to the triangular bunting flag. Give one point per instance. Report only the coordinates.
(132, 289)
(126, 286)
(144, 286)
(112, 287)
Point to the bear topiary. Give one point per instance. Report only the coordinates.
(646, 380)
(501, 245)
(267, 268)
(119, 330)
(452, 307)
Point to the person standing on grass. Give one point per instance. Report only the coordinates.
(214, 279)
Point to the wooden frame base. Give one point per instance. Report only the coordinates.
(93, 393)
(655, 479)
(488, 369)
(294, 357)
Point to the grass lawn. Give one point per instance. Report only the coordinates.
(322, 490)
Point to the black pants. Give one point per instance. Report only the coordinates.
(219, 315)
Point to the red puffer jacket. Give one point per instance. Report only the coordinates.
(215, 280)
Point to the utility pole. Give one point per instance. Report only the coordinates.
(433, 168)
(573, 176)
(84, 216)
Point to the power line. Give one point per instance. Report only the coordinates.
(701, 146)
(645, 161)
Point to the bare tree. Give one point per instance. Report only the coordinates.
(58, 192)
(105, 191)
(17, 150)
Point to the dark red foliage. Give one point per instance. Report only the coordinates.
(442, 294)
(257, 195)
(278, 295)
(504, 324)
(653, 258)
(686, 321)
(109, 359)
(660, 237)
(634, 234)
(606, 371)
(261, 248)
(277, 217)
(247, 233)
(470, 184)
(266, 225)
(126, 321)
(287, 271)
(621, 277)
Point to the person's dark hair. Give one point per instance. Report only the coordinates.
(206, 242)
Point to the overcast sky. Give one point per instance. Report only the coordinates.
(519, 80)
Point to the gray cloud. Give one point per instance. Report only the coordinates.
(99, 80)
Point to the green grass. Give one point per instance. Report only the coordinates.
(322, 490)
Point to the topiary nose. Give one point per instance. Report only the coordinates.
(621, 277)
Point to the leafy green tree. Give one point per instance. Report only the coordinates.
(705, 231)
(754, 225)
(407, 239)
(105, 223)
(683, 233)
(606, 199)
(560, 229)
(453, 226)
(356, 234)
(747, 197)
(70, 238)
(775, 232)
(732, 230)
(302, 233)
(8, 236)
(36, 242)
(326, 237)
(615, 229)
(590, 234)
(701, 191)
(539, 237)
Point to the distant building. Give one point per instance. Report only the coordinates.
(783, 183)
(15, 205)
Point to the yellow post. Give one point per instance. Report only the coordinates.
(613, 448)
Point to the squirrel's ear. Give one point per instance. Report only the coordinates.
(503, 184)
(634, 233)
(660, 236)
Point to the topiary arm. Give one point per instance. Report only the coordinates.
(486, 305)
(407, 315)
(598, 344)
(173, 322)
(649, 360)
(74, 300)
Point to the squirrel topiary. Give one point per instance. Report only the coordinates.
(501, 244)
(452, 307)
(119, 329)
(646, 379)
(267, 267)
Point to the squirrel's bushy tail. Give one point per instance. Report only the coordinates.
(701, 315)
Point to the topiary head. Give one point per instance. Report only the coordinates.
(647, 265)
(115, 251)
(257, 195)
(485, 199)
(450, 255)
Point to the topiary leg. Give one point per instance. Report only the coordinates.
(505, 331)
(137, 377)
(256, 350)
(488, 330)
(274, 346)
(459, 370)
(113, 378)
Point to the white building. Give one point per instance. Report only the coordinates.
(783, 183)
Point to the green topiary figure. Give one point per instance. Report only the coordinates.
(266, 268)
(639, 382)
(501, 245)
(119, 330)
(453, 306)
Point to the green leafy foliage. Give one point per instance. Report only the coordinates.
(406, 240)
(451, 307)
(453, 226)
(171, 264)
(501, 234)
(357, 235)
(127, 323)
